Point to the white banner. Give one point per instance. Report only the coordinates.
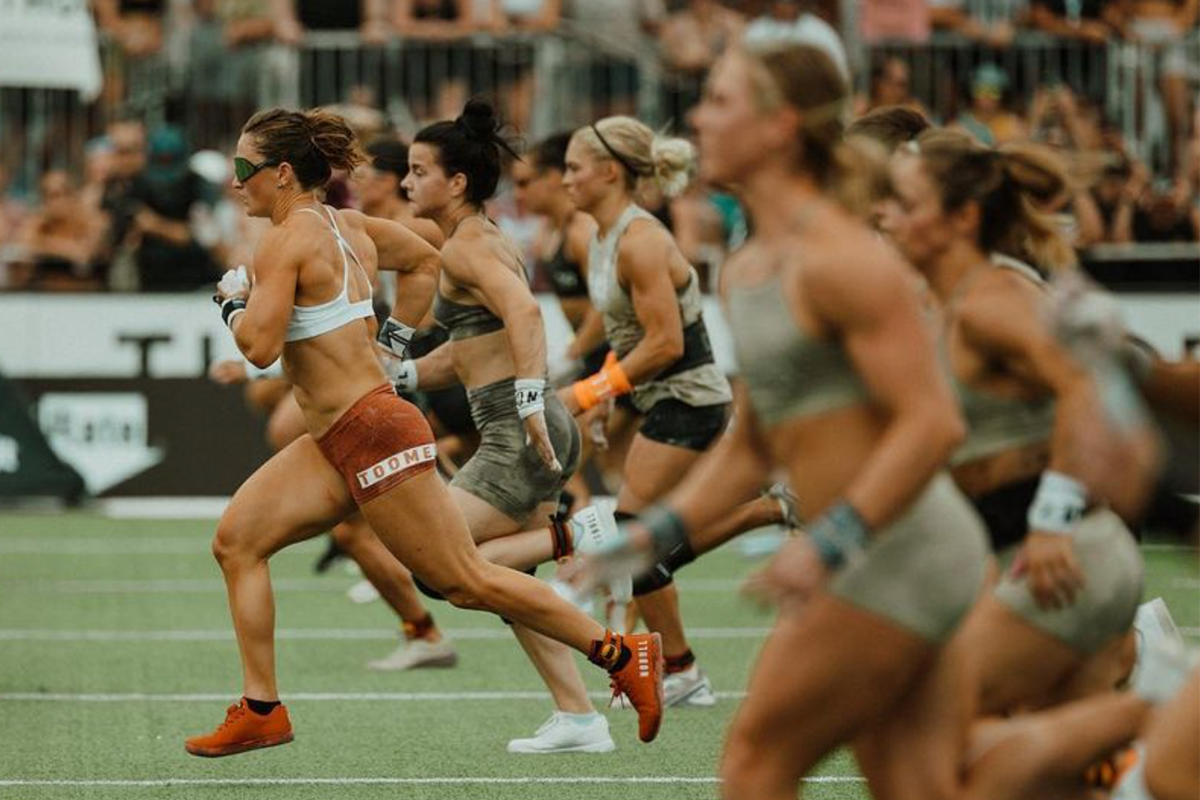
(178, 335)
(49, 44)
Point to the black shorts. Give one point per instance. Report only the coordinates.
(1005, 511)
(676, 423)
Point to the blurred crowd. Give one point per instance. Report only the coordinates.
(152, 209)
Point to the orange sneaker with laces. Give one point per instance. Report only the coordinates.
(243, 730)
(641, 680)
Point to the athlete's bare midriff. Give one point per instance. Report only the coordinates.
(824, 452)
(482, 360)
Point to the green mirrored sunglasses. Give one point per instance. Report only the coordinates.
(244, 169)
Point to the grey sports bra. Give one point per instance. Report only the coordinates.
(788, 373)
(464, 320)
(996, 423)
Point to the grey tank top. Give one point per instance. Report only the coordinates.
(464, 320)
(788, 373)
(695, 379)
(996, 423)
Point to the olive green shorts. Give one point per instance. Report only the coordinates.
(925, 570)
(506, 473)
(1105, 607)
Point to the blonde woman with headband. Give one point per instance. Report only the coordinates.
(841, 389)
(649, 298)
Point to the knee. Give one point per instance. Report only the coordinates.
(229, 545)
(469, 590)
(346, 535)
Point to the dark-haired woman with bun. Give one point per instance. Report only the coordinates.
(308, 301)
(529, 445)
(648, 296)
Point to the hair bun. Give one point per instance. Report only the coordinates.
(479, 120)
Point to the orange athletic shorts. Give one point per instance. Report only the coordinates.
(381, 442)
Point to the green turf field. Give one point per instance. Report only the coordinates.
(115, 643)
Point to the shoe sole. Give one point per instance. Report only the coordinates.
(443, 662)
(240, 747)
(599, 747)
(658, 690)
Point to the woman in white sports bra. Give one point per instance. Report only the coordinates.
(366, 449)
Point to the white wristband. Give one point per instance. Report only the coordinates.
(531, 396)
(1058, 505)
(403, 374)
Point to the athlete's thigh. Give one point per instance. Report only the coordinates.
(916, 748)
(484, 520)
(823, 673)
(420, 523)
(295, 495)
(1017, 662)
(651, 470)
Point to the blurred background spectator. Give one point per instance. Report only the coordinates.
(1110, 85)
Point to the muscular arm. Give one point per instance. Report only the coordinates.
(875, 312)
(506, 295)
(731, 472)
(1002, 320)
(435, 369)
(415, 261)
(259, 332)
(643, 261)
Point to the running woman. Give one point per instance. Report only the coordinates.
(366, 449)
(841, 389)
(529, 443)
(1066, 604)
(649, 298)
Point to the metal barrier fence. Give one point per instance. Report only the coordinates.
(542, 83)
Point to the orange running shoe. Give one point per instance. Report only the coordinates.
(641, 680)
(243, 730)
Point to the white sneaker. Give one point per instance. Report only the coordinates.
(1153, 628)
(416, 654)
(594, 529)
(363, 592)
(583, 602)
(688, 688)
(568, 733)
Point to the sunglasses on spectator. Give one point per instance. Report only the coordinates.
(245, 169)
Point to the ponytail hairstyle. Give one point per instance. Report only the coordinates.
(649, 160)
(471, 145)
(314, 143)
(1007, 185)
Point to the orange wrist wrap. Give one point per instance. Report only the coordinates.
(610, 381)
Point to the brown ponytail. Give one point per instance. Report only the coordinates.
(314, 142)
(1007, 186)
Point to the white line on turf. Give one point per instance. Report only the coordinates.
(298, 697)
(580, 779)
(311, 634)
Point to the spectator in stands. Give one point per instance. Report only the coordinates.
(793, 21)
(889, 84)
(1074, 20)
(437, 58)
(1167, 213)
(515, 59)
(1116, 194)
(226, 46)
(1167, 27)
(163, 196)
(12, 210)
(60, 241)
(692, 39)
(133, 29)
(135, 25)
(894, 21)
(294, 17)
(991, 23)
(97, 167)
(988, 120)
(622, 35)
(128, 140)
